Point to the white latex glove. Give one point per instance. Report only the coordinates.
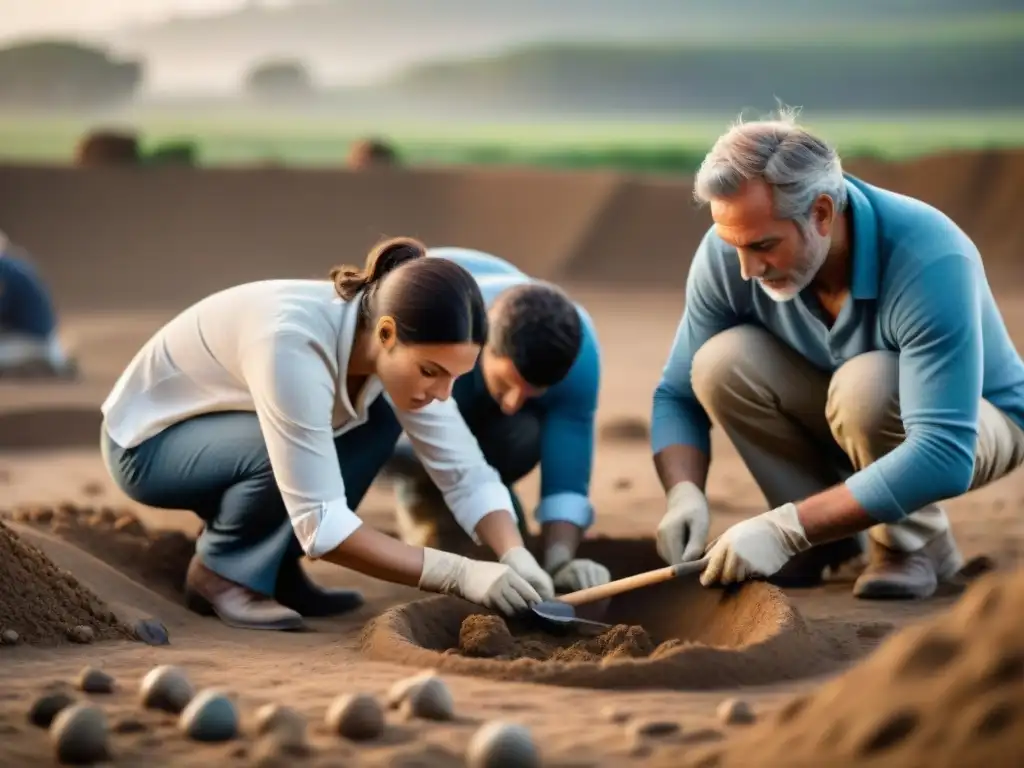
(522, 562)
(491, 585)
(580, 574)
(569, 574)
(683, 531)
(759, 546)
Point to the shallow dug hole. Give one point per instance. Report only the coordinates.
(677, 635)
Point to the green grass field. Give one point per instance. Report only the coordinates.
(646, 146)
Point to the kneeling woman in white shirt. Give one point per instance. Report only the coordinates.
(260, 408)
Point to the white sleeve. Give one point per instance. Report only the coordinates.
(452, 457)
(293, 390)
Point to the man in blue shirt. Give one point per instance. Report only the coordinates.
(531, 400)
(29, 344)
(846, 340)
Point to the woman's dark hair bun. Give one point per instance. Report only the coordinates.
(385, 257)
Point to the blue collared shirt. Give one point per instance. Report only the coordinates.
(569, 408)
(918, 289)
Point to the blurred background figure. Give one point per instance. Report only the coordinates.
(371, 153)
(29, 343)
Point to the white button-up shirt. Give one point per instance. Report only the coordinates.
(281, 349)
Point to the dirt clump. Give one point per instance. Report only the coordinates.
(948, 691)
(486, 636)
(45, 605)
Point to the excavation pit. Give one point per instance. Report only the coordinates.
(676, 635)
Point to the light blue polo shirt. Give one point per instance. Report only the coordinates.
(918, 289)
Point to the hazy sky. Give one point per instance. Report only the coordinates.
(40, 17)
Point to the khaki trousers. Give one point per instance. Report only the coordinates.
(801, 431)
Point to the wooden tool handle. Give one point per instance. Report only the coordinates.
(628, 584)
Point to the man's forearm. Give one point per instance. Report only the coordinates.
(833, 514)
(680, 463)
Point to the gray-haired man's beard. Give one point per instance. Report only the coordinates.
(793, 282)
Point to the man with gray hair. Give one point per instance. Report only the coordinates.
(846, 340)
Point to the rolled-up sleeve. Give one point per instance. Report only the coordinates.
(452, 457)
(293, 389)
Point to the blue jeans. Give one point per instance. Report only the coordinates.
(217, 466)
(25, 303)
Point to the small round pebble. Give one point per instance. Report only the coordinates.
(358, 717)
(81, 634)
(151, 632)
(79, 735)
(655, 728)
(9, 637)
(167, 688)
(429, 699)
(735, 712)
(278, 718)
(93, 680)
(500, 744)
(47, 707)
(210, 716)
(399, 691)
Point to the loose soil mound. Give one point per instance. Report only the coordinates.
(674, 635)
(157, 559)
(43, 604)
(946, 692)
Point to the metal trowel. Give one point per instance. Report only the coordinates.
(561, 613)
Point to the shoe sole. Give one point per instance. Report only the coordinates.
(203, 607)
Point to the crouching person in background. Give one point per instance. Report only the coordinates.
(29, 344)
(530, 400)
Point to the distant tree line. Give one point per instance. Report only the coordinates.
(55, 74)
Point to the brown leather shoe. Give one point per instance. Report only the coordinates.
(209, 594)
(893, 575)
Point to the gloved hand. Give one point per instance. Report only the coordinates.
(491, 585)
(758, 546)
(580, 574)
(569, 574)
(683, 531)
(522, 562)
